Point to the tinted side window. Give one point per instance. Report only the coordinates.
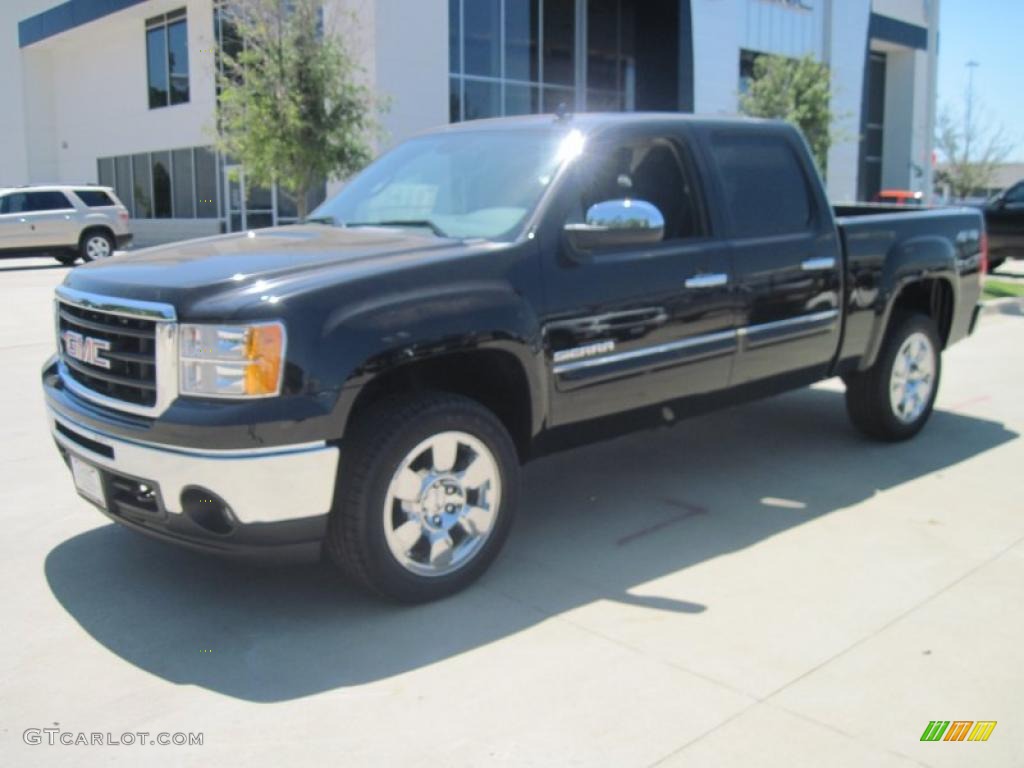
(1016, 194)
(94, 198)
(47, 201)
(764, 183)
(653, 170)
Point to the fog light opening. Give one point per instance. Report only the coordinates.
(207, 510)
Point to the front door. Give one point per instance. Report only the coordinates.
(785, 253)
(633, 326)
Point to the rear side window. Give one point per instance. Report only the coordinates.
(94, 198)
(46, 201)
(764, 183)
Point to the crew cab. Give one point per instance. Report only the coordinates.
(366, 385)
(66, 222)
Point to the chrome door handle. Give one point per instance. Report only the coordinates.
(819, 264)
(707, 281)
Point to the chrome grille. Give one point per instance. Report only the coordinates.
(120, 353)
(131, 355)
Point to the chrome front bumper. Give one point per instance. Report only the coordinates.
(265, 490)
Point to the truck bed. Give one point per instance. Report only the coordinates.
(877, 238)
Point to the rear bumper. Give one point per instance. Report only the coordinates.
(270, 502)
(123, 241)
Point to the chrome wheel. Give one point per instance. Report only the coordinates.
(913, 377)
(97, 247)
(442, 504)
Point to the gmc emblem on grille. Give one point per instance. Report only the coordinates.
(85, 348)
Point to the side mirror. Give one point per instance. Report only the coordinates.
(617, 223)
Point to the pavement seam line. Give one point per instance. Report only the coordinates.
(840, 731)
(847, 649)
(899, 617)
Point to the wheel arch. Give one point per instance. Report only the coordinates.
(104, 228)
(920, 276)
(497, 377)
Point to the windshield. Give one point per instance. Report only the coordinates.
(462, 184)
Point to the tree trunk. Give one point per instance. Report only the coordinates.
(300, 203)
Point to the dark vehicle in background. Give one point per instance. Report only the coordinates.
(1004, 220)
(367, 384)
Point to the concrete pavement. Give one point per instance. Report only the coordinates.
(759, 586)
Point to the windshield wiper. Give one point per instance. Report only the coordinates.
(426, 223)
(319, 220)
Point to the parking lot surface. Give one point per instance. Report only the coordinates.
(759, 586)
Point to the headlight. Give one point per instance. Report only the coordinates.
(231, 360)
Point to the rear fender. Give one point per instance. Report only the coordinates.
(927, 257)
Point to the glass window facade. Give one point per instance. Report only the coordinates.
(167, 59)
(179, 184)
(516, 57)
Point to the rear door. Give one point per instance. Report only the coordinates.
(785, 252)
(636, 325)
(51, 218)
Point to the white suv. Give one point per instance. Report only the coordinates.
(65, 221)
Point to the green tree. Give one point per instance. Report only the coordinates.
(797, 91)
(291, 107)
(970, 150)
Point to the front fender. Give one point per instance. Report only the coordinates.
(927, 257)
(383, 333)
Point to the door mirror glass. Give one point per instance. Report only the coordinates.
(616, 224)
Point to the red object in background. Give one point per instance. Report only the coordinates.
(899, 197)
(984, 253)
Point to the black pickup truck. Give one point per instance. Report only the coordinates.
(367, 384)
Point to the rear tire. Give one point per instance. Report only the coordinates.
(427, 488)
(67, 258)
(893, 399)
(96, 245)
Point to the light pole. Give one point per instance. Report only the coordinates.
(968, 125)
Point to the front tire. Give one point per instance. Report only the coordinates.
(893, 399)
(96, 245)
(426, 492)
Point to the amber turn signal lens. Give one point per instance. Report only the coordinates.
(264, 348)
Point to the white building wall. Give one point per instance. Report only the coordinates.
(910, 11)
(848, 25)
(771, 26)
(412, 38)
(14, 161)
(717, 36)
(101, 94)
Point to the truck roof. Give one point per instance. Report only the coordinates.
(588, 121)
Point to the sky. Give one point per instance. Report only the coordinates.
(990, 32)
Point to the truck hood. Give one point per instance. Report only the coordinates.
(256, 263)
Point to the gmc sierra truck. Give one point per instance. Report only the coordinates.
(366, 385)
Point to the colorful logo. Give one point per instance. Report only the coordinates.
(958, 730)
